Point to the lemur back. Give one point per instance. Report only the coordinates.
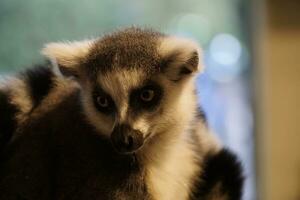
(120, 122)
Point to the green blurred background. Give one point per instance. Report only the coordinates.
(26, 25)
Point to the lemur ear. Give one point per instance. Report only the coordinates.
(180, 57)
(68, 55)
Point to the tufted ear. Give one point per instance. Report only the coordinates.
(180, 57)
(68, 55)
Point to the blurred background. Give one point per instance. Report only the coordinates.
(250, 89)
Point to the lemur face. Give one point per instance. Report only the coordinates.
(136, 84)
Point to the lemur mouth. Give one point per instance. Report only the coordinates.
(126, 140)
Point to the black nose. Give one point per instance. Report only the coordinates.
(125, 139)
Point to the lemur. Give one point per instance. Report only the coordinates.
(113, 118)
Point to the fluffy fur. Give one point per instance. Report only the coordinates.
(57, 144)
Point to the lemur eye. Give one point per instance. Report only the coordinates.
(146, 98)
(147, 95)
(102, 101)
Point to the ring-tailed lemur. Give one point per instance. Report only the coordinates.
(121, 123)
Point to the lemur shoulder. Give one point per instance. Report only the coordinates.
(112, 118)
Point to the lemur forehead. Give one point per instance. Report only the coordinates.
(119, 83)
(127, 49)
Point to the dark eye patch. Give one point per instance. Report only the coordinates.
(110, 108)
(137, 103)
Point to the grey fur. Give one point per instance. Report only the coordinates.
(58, 150)
(129, 48)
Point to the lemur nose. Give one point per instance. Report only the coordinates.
(125, 139)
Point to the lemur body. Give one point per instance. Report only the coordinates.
(122, 123)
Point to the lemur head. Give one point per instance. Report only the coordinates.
(136, 84)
